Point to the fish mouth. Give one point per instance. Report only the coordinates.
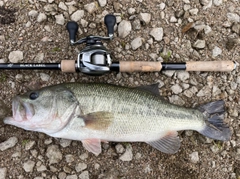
(22, 111)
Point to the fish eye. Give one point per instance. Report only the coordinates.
(33, 95)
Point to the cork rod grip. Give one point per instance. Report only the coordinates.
(68, 66)
(226, 66)
(139, 66)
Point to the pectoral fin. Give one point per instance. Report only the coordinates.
(92, 145)
(98, 120)
(169, 144)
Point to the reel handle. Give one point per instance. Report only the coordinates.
(72, 28)
(110, 21)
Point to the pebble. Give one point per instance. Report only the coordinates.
(11, 142)
(175, 99)
(29, 145)
(236, 28)
(41, 168)
(72, 177)
(216, 51)
(102, 3)
(84, 156)
(233, 17)
(78, 15)
(162, 6)
(91, 7)
(176, 89)
(44, 77)
(199, 44)
(80, 167)
(54, 154)
(15, 56)
(217, 2)
(173, 19)
(84, 175)
(3, 173)
(214, 149)
(119, 148)
(33, 13)
(193, 11)
(194, 157)
(62, 175)
(41, 17)
(136, 24)
(28, 166)
(128, 155)
(168, 73)
(145, 17)
(124, 28)
(62, 6)
(136, 43)
(69, 158)
(39, 57)
(65, 142)
(131, 11)
(183, 75)
(60, 19)
(157, 33)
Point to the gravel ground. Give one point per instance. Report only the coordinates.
(153, 30)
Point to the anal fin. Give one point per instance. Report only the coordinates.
(169, 144)
(92, 145)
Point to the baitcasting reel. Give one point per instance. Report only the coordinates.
(94, 59)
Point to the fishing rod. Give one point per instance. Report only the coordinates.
(95, 59)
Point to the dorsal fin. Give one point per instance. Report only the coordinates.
(150, 88)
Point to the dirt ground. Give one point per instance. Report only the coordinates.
(198, 30)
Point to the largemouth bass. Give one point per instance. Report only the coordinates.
(93, 113)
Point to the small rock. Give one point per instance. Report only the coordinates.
(60, 19)
(194, 157)
(29, 145)
(15, 56)
(136, 24)
(168, 73)
(84, 175)
(173, 19)
(3, 173)
(102, 3)
(72, 177)
(207, 29)
(124, 28)
(62, 6)
(183, 75)
(217, 2)
(65, 142)
(41, 168)
(236, 28)
(136, 43)
(69, 158)
(193, 11)
(119, 148)
(214, 149)
(78, 15)
(50, 8)
(216, 51)
(128, 155)
(11, 142)
(80, 167)
(41, 17)
(62, 175)
(54, 154)
(91, 7)
(28, 24)
(131, 11)
(28, 166)
(174, 99)
(71, 9)
(33, 13)
(145, 17)
(176, 89)
(233, 17)
(44, 77)
(157, 33)
(162, 6)
(83, 156)
(199, 44)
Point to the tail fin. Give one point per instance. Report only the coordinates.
(215, 127)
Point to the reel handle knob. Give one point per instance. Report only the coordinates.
(72, 28)
(110, 21)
